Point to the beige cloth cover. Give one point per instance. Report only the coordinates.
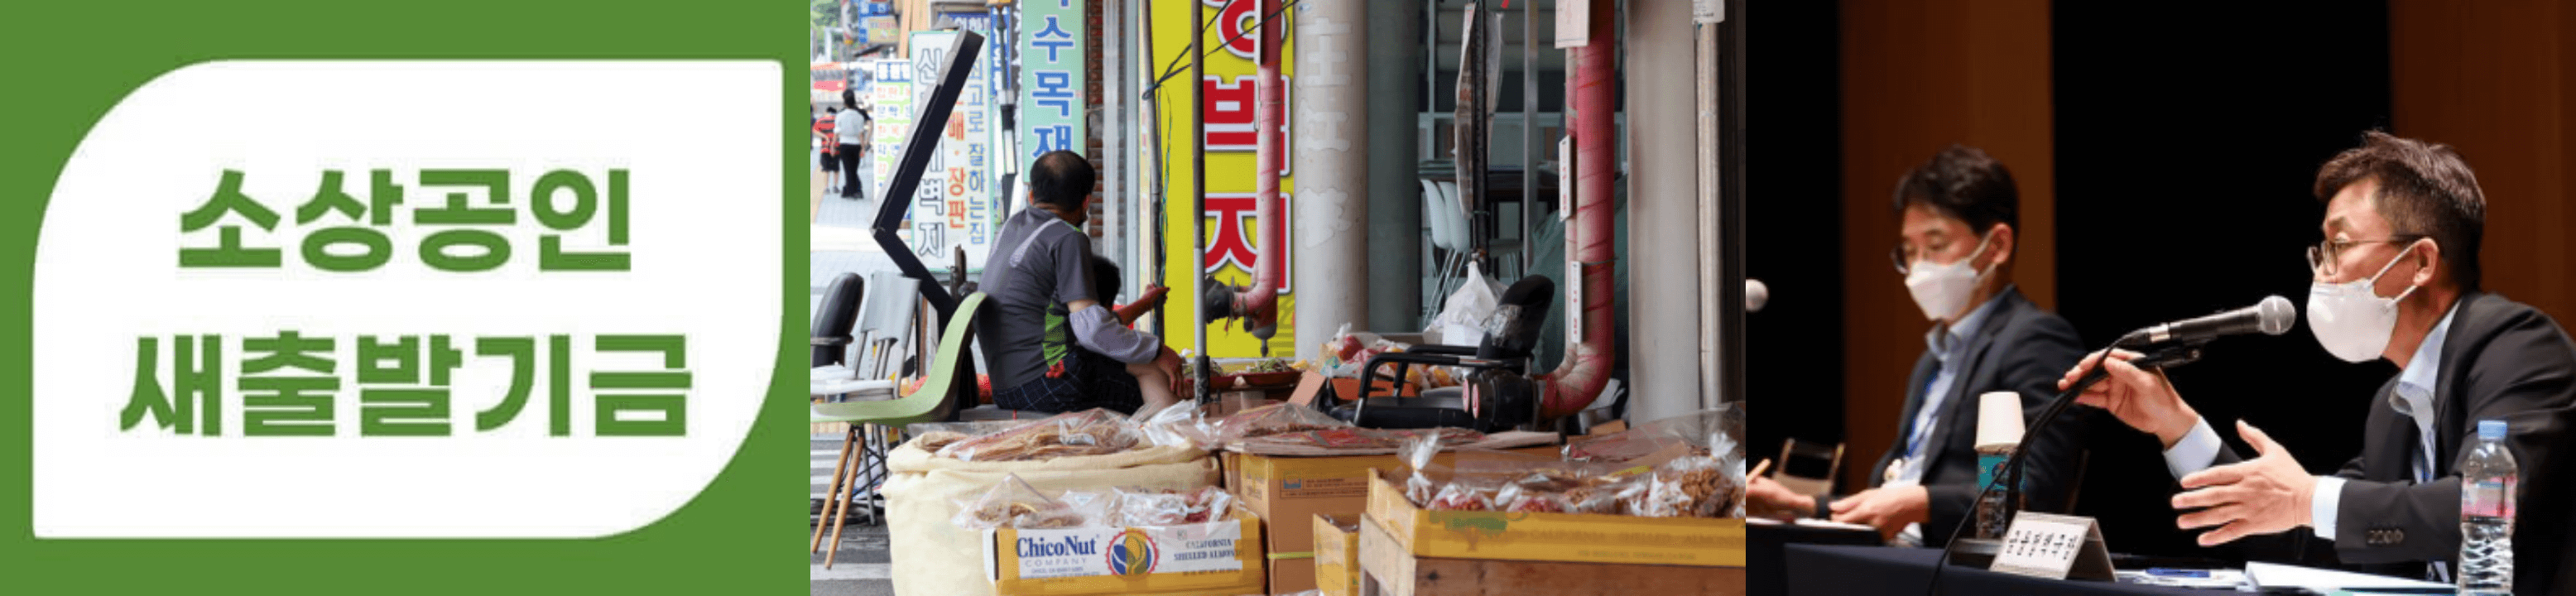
(934, 558)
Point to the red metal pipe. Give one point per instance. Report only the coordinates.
(1259, 304)
(1592, 346)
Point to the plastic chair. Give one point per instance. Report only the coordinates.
(887, 314)
(830, 334)
(864, 439)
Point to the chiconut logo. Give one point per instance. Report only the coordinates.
(1035, 547)
(1132, 553)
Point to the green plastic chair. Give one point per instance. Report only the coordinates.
(925, 403)
(928, 403)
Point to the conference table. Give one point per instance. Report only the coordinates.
(1817, 569)
(1822, 570)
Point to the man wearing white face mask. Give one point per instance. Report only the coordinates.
(2396, 277)
(1959, 213)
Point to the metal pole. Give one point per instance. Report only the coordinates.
(1705, 86)
(1529, 133)
(1149, 214)
(1112, 154)
(1198, 202)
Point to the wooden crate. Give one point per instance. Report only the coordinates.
(1388, 569)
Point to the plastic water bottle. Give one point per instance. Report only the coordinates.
(1991, 511)
(2488, 478)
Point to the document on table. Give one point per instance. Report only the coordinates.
(2224, 579)
(2326, 580)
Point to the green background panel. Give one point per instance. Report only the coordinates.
(68, 61)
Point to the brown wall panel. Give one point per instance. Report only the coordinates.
(2492, 79)
(1918, 75)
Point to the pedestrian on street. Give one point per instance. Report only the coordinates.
(852, 129)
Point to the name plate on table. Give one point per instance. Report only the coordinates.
(2051, 546)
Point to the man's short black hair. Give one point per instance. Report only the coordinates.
(849, 98)
(1962, 183)
(2424, 188)
(1061, 178)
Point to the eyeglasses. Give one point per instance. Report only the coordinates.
(1905, 265)
(2323, 257)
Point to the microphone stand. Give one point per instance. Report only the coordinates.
(2153, 356)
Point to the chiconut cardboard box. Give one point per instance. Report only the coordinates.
(1298, 488)
(1688, 541)
(1215, 558)
(1337, 556)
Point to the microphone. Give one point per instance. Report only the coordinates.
(2271, 317)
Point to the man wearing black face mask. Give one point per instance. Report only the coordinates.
(2397, 277)
(1958, 214)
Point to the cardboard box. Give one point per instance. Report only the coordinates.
(1216, 558)
(1563, 537)
(1337, 556)
(1389, 571)
(1292, 575)
(1298, 488)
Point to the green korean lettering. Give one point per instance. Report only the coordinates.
(522, 352)
(276, 402)
(663, 393)
(196, 373)
(229, 251)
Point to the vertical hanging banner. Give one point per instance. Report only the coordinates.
(1051, 78)
(1227, 94)
(890, 104)
(954, 206)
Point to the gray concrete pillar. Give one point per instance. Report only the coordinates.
(1663, 210)
(1331, 207)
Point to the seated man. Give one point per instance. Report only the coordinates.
(2396, 277)
(1959, 222)
(1050, 344)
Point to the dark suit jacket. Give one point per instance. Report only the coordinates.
(2018, 348)
(2501, 360)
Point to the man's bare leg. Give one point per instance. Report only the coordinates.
(1154, 380)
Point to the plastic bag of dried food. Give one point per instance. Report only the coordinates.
(1087, 508)
(1273, 419)
(1729, 491)
(1656, 496)
(1417, 453)
(1688, 431)
(1699, 487)
(1529, 498)
(1599, 498)
(1014, 503)
(1461, 496)
(1210, 503)
(1183, 425)
(973, 428)
(1089, 432)
(1170, 508)
(931, 436)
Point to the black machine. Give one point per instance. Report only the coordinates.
(920, 144)
(1499, 393)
